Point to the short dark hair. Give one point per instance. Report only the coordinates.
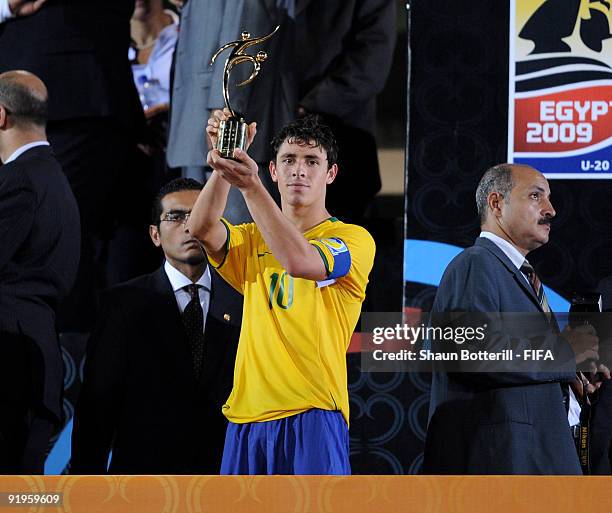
(176, 185)
(495, 179)
(306, 131)
(22, 104)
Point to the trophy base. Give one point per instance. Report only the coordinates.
(232, 134)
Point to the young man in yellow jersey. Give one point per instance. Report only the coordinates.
(303, 275)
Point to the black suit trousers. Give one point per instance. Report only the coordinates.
(24, 433)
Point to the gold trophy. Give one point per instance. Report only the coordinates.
(233, 131)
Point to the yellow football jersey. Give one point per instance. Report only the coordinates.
(295, 332)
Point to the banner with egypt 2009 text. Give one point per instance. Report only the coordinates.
(560, 90)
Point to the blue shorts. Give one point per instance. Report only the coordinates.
(312, 442)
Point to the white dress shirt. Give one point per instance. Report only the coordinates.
(179, 281)
(509, 250)
(5, 11)
(152, 79)
(24, 148)
(573, 414)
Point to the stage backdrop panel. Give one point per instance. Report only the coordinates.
(458, 127)
(560, 87)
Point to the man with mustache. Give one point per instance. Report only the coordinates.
(506, 422)
(159, 364)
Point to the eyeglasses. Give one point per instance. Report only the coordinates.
(176, 216)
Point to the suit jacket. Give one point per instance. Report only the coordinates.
(344, 50)
(497, 422)
(604, 287)
(343, 56)
(197, 87)
(139, 395)
(601, 409)
(39, 254)
(601, 431)
(79, 49)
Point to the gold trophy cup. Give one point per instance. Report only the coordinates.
(233, 131)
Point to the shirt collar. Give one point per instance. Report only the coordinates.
(178, 280)
(22, 149)
(509, 250)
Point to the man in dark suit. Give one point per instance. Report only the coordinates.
(600, 450)
(80, 50)
(343, 54)
(159, 363)
(506, 422)
(39, 253)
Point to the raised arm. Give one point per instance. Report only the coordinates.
(297, 256)
(204, 222)
(9, 8)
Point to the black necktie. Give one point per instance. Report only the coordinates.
(193, 319)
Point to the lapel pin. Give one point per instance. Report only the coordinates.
(226, 317)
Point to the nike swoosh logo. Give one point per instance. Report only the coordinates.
(264, 253)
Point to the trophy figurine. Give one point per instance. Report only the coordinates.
(233, 131)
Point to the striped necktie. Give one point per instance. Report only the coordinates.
(536, 284)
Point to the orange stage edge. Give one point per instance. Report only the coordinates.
(316, 494)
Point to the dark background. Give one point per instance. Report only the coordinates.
(458, 116)
(458, 128)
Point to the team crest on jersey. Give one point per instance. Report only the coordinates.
(335, 246)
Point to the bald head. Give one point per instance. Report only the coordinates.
(24, 96)
(496, 179)
(515, 201)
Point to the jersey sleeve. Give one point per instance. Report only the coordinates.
(348, 257)
(232, 266)
(335, 254)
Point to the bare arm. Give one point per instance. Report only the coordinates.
(299, 258)
(204, 222)
(25, 7)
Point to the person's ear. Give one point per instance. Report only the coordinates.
(331, 174)
(272, 168)
(155, 236)
(3, 117)
(495, 201)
